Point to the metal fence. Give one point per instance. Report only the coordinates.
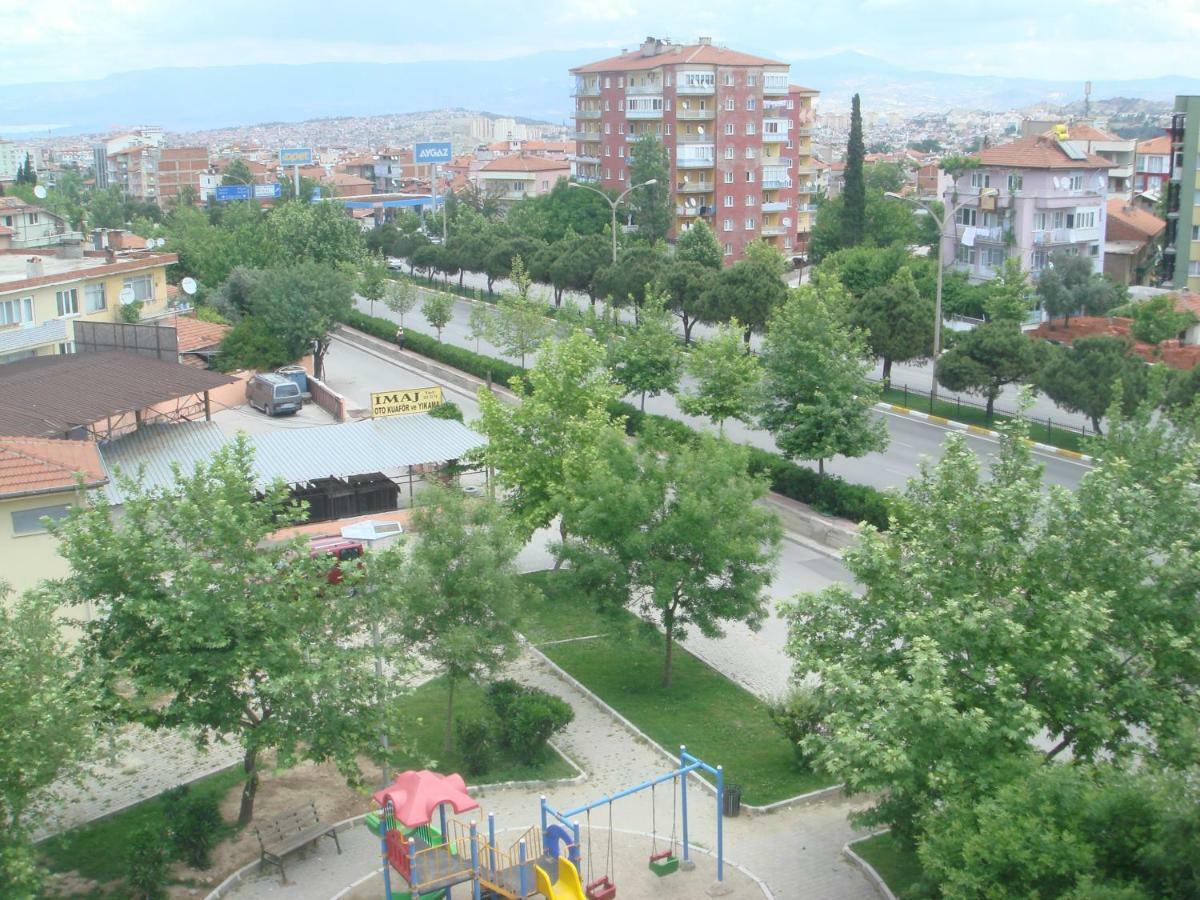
(145, 340)
(952, 407)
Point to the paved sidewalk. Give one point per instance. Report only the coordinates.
(796, 852)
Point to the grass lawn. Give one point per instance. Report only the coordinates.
(1039, 429)
(899, 868)
(424, 712)
(98, 850)
(720, 722)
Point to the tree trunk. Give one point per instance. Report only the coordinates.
(461, 273)
(669, 627)
(489, 281)
(448, 742)
(820, 467)
(558, 292)
(721, 428)
(1096, 424)
(747, 337)
(991, 402)
(643, 401)
(250, 788)
(887, 373)
(688, 324)
(562, 536)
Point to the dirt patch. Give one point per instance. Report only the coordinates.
(278, 792)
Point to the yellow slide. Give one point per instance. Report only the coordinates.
(568, 886)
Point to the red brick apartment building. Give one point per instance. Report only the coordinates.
(737, 133)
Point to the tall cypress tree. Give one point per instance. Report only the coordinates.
(854, 193)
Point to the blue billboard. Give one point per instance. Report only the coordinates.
(270, 191)
(429, 152)
(228, 192)
(295, 156)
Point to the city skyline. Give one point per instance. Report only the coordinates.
(55, 40)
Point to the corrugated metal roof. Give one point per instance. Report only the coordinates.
(296, 455)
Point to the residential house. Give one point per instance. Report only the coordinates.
(1130, 242)
(509, 178)
(1153, 167)
(1120, 153)
(24, 226)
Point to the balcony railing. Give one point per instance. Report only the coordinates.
(634, 137)
(588, 113)
(774, 230)
(585, 158)
(774, 103)
(587, 90)
(807, 187)
(775, 137)
(783, 161)
(776, 206)
(643, 113)
(693, 138)
(806, 207)
(694, 187)
(775, 85)
(655, 88)
(772, 182)
(587, 136)
(691, 211)
(806, 170)
(692, 114)
(684, 87)
(694, 162)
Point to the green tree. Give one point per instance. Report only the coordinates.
(1157, 320)
(48, 723)
(818, 400)
(499, 261)
(317, 232)
(551, 217)
(237, 172)
(206, 623)
(641, 525)
(401, 296)
(372, 278)
(480, 323)
(726, 378)
(637, 268)
(106, 209)
(578, 267)
(1092, 373)
(699, 245)
(461, 590)
(301, 304)
(651, 206)
(1070, 286)
(520, 325)
(854, 190)
(897, 322)
(988, 617)
(685, 284)
(647, 360)
(749, 291)
(982, 361)
(438, 310)
(1007, 297)
(564, 410)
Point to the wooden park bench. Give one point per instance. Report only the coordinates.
(292, 831)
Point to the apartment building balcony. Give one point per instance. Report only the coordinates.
(689, 212)
(806, 207)
(774, 230)
(588, 113)
(781, 161)
(694, 162)
(644, 113)
(694, 139)
(806, 170)
(693, 87)
(587, 178)
(776, 206)
(587, 158)
(694, 114)
(807, 187)
(586, 90)
(775, 137)
(694, 187)
(804, 131)
(773, 182)
(15, 338)
(773, 84)
(642, 89)
(585, 136)
(982, 232)
(774, 103)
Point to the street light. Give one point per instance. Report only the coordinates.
(613, 203)
(947, 215)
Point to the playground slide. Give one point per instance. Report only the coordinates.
(568, 886)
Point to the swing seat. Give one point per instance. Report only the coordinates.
(601, 889)
(664, 863)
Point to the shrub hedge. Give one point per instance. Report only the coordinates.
(828, 494)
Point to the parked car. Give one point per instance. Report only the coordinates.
(341, 549)
(274, 394)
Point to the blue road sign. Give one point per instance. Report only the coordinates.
(271, 191)
(227, 192)
(432, 152)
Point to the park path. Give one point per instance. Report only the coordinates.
(795, 852)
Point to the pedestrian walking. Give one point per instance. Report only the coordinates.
(400, 337)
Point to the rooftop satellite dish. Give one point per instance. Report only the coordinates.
(700, 129)
(39, 191)
(126, 296)
(189, 286)
(162, 242)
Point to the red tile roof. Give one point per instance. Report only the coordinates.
(1038, 152)
(523, 164)
(43, 465)
(1082, 131)
(193, 334)
(675, 54)
(1131, 223)
(1159, 146)
(1171, 353)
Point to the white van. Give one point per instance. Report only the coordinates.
(274, 395)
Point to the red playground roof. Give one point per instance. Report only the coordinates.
(415, 795)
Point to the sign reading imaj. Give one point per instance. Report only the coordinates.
(228, 192)
(295, 156)
(271, 191)
(432, 152)
(405, 401)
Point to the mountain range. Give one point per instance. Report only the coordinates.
(536, 86)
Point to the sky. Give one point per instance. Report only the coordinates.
(66, 40)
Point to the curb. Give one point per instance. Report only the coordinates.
(983, 432)
(873, 877)
(800, 800)
(224, 888)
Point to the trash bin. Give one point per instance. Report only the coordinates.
(295, 374)
(733, 799)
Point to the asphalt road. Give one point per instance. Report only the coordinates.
(911, 440)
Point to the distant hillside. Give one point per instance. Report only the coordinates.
(535, 86)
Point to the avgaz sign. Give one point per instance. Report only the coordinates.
(429, 152)
(405, 401)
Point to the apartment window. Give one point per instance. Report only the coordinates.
(749, 153)
(729, 178)
(729, 128)
(965, 255)
(67, 302)
(1155, 166)
(607, 174)
(668, 128)
(1094, 250)
(8, 221)
(751, 80)
(93, 298)
(29, 521)
(729, 153)
(143, 287)
(608, 127)
(668, 81)
(750, 224)
(727, 225)
(607, 150)
(981, 179)
(668, 103)
(1196, 232)
(607, 81)
(1039, 221)
(1059, 219)
(966, 216)
(620, 81)
(621, 106)
(787, 243)
(789, 143)
(1194, 268)
(33, 218)
(621, 152)
(621, 128)
(1075, 183)
(66, 348)
(728, 249)
(750, 176)
(994, 257)
(607, 107)
(16, 312)
(1039, 260)
(1082, 219)
(749, 199)
(728, 200)
(791, 104)
(621, 177)
(1139, 182)
(750, 128)
(728, 79)
(1015, 182)
(751, 104)
(730, 104)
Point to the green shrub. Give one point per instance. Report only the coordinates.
(798, 715)
(250, 345)
(476, 742)
(447, 410)
(500, 697)
(527, 717)
(20, 875)
(193, 823)
(146, 866)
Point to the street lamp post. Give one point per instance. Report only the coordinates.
(947, 216)
(613, 204)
